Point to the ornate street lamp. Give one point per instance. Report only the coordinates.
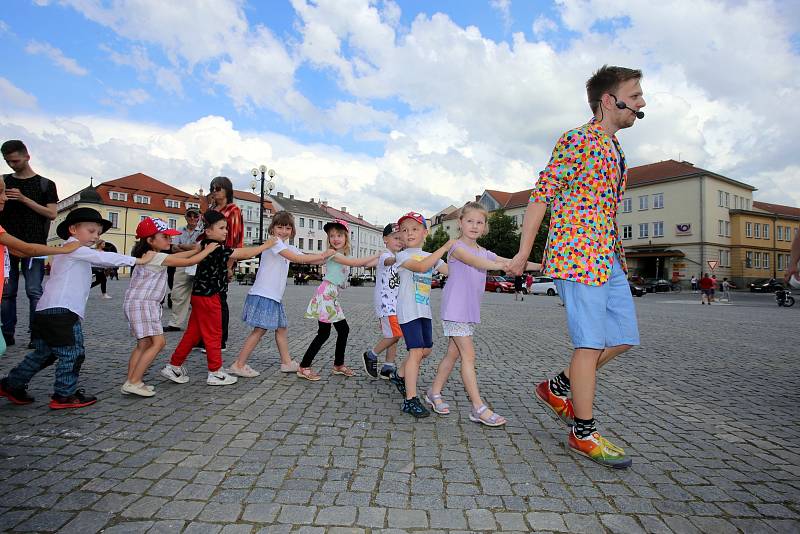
(270, 185)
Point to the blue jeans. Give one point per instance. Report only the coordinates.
(33, 271)
(68, 360)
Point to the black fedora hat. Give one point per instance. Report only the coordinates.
(78, 216)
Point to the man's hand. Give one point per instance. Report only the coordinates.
(15, 194)
(518, 263)
(72, 246)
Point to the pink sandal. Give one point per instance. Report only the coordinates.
(342, 370)
(307, 373)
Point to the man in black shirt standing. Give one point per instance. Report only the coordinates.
(31, 206)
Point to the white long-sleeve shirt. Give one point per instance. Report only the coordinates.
(71, 277)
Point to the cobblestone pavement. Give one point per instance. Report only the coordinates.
(707, 407)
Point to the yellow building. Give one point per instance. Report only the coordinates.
(125, 202)
(761, 241)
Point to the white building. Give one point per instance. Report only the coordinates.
(248, 204)
(309, 219)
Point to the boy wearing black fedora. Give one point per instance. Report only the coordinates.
(56, 329)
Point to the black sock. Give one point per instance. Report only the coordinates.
(584, 427)
(560, 385)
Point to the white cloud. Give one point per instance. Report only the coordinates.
(504, 8)
(126, 98)
(543, 25)
(16, 97)
(56, 56)
(138, 58)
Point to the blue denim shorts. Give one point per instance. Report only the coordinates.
(600, 316)
(418, 333)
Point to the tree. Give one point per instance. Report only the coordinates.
(435, 240)
(537, 252)
(502, 237)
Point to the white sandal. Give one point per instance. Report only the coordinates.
(245, 372)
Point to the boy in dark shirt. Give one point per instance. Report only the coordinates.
(205, 319)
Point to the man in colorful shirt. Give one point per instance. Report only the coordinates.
(583, 184)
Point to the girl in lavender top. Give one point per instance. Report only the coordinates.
(461, 311)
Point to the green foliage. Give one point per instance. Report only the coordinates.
(435, 240)
(503, 237)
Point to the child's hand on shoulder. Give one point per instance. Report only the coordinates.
(146, 258)
(328, 253)
(211, 247)
(72, 246)
(269, 243)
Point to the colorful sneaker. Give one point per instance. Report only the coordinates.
(399, 382)
(177, 374)
(415, 408)
(386, 371)
(15, 395)
(560, 406)
(599, 449)
(370, 364)
(77, 400)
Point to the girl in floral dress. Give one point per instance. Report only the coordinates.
(324, 305)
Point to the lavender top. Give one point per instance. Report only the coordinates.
(461, 300)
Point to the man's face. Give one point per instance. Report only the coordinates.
(86, 232)
(630, 92)
(18, 161)
(413, 233)
(192, 219)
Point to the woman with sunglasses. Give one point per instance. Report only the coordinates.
(221, 200)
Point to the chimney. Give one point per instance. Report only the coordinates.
(312, 200)
(280, 194)
(291, 197)
(477, 198)
(360, 216)
(344, 209)
(325, 203)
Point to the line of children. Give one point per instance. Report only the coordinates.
(263, 309)
(146, 291)
(56, 329)
(324, 305)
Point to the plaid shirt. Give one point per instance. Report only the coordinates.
(583, 184)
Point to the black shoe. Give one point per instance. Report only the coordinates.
(415, 408)
(31, 345)
(16, 395)
(386, 372)
(399, 382)
(77, 400)
(170, 328)
(370, 365)
(10, 341)
(169, 301)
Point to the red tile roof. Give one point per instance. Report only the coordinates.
(252, 197)
(511, 200)
(777, 209)
(141, 184)
(669, 170)
(339, 214)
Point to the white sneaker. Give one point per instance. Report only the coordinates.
(106, 296)
(220, 378)
(245, 372)
(176, 374)
(138, 389)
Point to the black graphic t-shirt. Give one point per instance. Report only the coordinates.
(212, 272)
(18, 219)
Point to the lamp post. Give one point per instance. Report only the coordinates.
(270, 185)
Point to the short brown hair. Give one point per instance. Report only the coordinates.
(607, 80)
(12, 146)
(282, 218)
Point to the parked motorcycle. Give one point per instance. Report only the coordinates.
(784, 298)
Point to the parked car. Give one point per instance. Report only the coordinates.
(654, 285)
(438, 281)
(498, 284)
(765, 285)
(543, 285)
(636, 289)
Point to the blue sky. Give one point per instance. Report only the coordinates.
(351, 99)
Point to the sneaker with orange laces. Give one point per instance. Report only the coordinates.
(598, 449)
(560, 406)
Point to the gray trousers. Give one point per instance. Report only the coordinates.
(181, 298)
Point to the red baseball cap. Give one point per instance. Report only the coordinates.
(415, 216)
(150, 227)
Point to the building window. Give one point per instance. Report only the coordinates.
(626, 205)
(115, 195)
(720, 198)
(757, 228)
(627, 231)
(319, 244)
(291, 241)
(300, 243)
(720, 227)
(727, 228)
(319, 225)
(172, 203)
(766, 260)
(141, 199)
(658, 201)
(748, 229)
(113, 216)
(311, 223)
(747, 203)
(643, 202)
(727, 200)
(658, 229)
(302, 222)
(142, 217)
(766, 231)
(757, 262)
(192, 205)
(736, 202)
(248, 233)
(643, 229)
(173, 223)
(779, 232)
(748, 259)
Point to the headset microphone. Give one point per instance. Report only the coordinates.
(623, 105)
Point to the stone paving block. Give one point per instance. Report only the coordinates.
(237, 529)
(546, 521)
(336, 515)
(260, 513)
(479, 519)
(371, 517)
(448, 519)
(202, 528)
(166, 527)
(511, 521)
(46, 521)
(186, 510)
(622, 524)
(144, 507)
(397, 518)
(129, 527)
(86, 521)
(297, 515)
(582, 523)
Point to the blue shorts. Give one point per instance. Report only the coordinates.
(600, 316)
(418, 333)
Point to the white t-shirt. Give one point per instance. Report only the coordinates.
(414, 294)
(272, 272)
(387, 282)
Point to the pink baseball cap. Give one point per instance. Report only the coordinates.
(150, 227)
(415, 216)
(336, 222)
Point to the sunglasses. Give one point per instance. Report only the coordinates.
(192, 216)
(215, 188)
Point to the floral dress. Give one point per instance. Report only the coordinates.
(324, 305)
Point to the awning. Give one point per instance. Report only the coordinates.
(654, 254)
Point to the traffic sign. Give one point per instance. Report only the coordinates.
(712, 264)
